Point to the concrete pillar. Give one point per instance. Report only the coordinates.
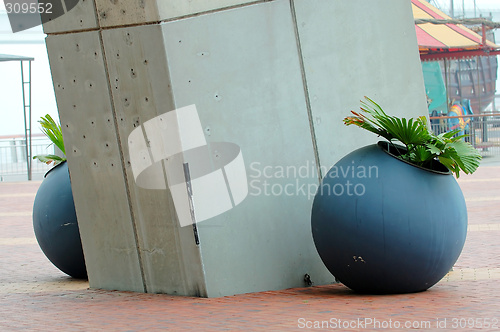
(274, 78)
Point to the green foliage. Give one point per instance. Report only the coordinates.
(422, 146)
(52, 130)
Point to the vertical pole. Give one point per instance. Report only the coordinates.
(458, 73)
(30, 175)
(483, 39)
(452, 11)
(480, 84)
(484, 121)
(26, 87)
(446, 84)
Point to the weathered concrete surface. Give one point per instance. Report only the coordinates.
(274, 77)
(362, 52)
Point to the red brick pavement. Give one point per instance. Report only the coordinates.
(35, 296)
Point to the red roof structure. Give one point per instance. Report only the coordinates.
(447, 40)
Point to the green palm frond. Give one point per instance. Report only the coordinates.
(52, 130)
(464, 155)
(406, 131)
(422, 146)
(49, 158)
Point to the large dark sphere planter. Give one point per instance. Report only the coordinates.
(382, 225)
(55, 223)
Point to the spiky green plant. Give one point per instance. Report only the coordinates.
(422, 145)
(52, 130)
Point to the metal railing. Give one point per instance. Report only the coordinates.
(13, 163)
(483, 131)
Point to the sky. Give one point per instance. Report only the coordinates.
(27, 43)
(482, 6)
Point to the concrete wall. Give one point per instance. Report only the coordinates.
(355, 50)
(274, 77)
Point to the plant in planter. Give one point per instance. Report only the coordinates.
(422, 147)
(390, 217)
(52, 130)
(54, 216)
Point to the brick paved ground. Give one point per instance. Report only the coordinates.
(35, 296)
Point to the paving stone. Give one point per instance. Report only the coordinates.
(36, 296)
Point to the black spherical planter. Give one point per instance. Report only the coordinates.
(55, 223)
(382, 225)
